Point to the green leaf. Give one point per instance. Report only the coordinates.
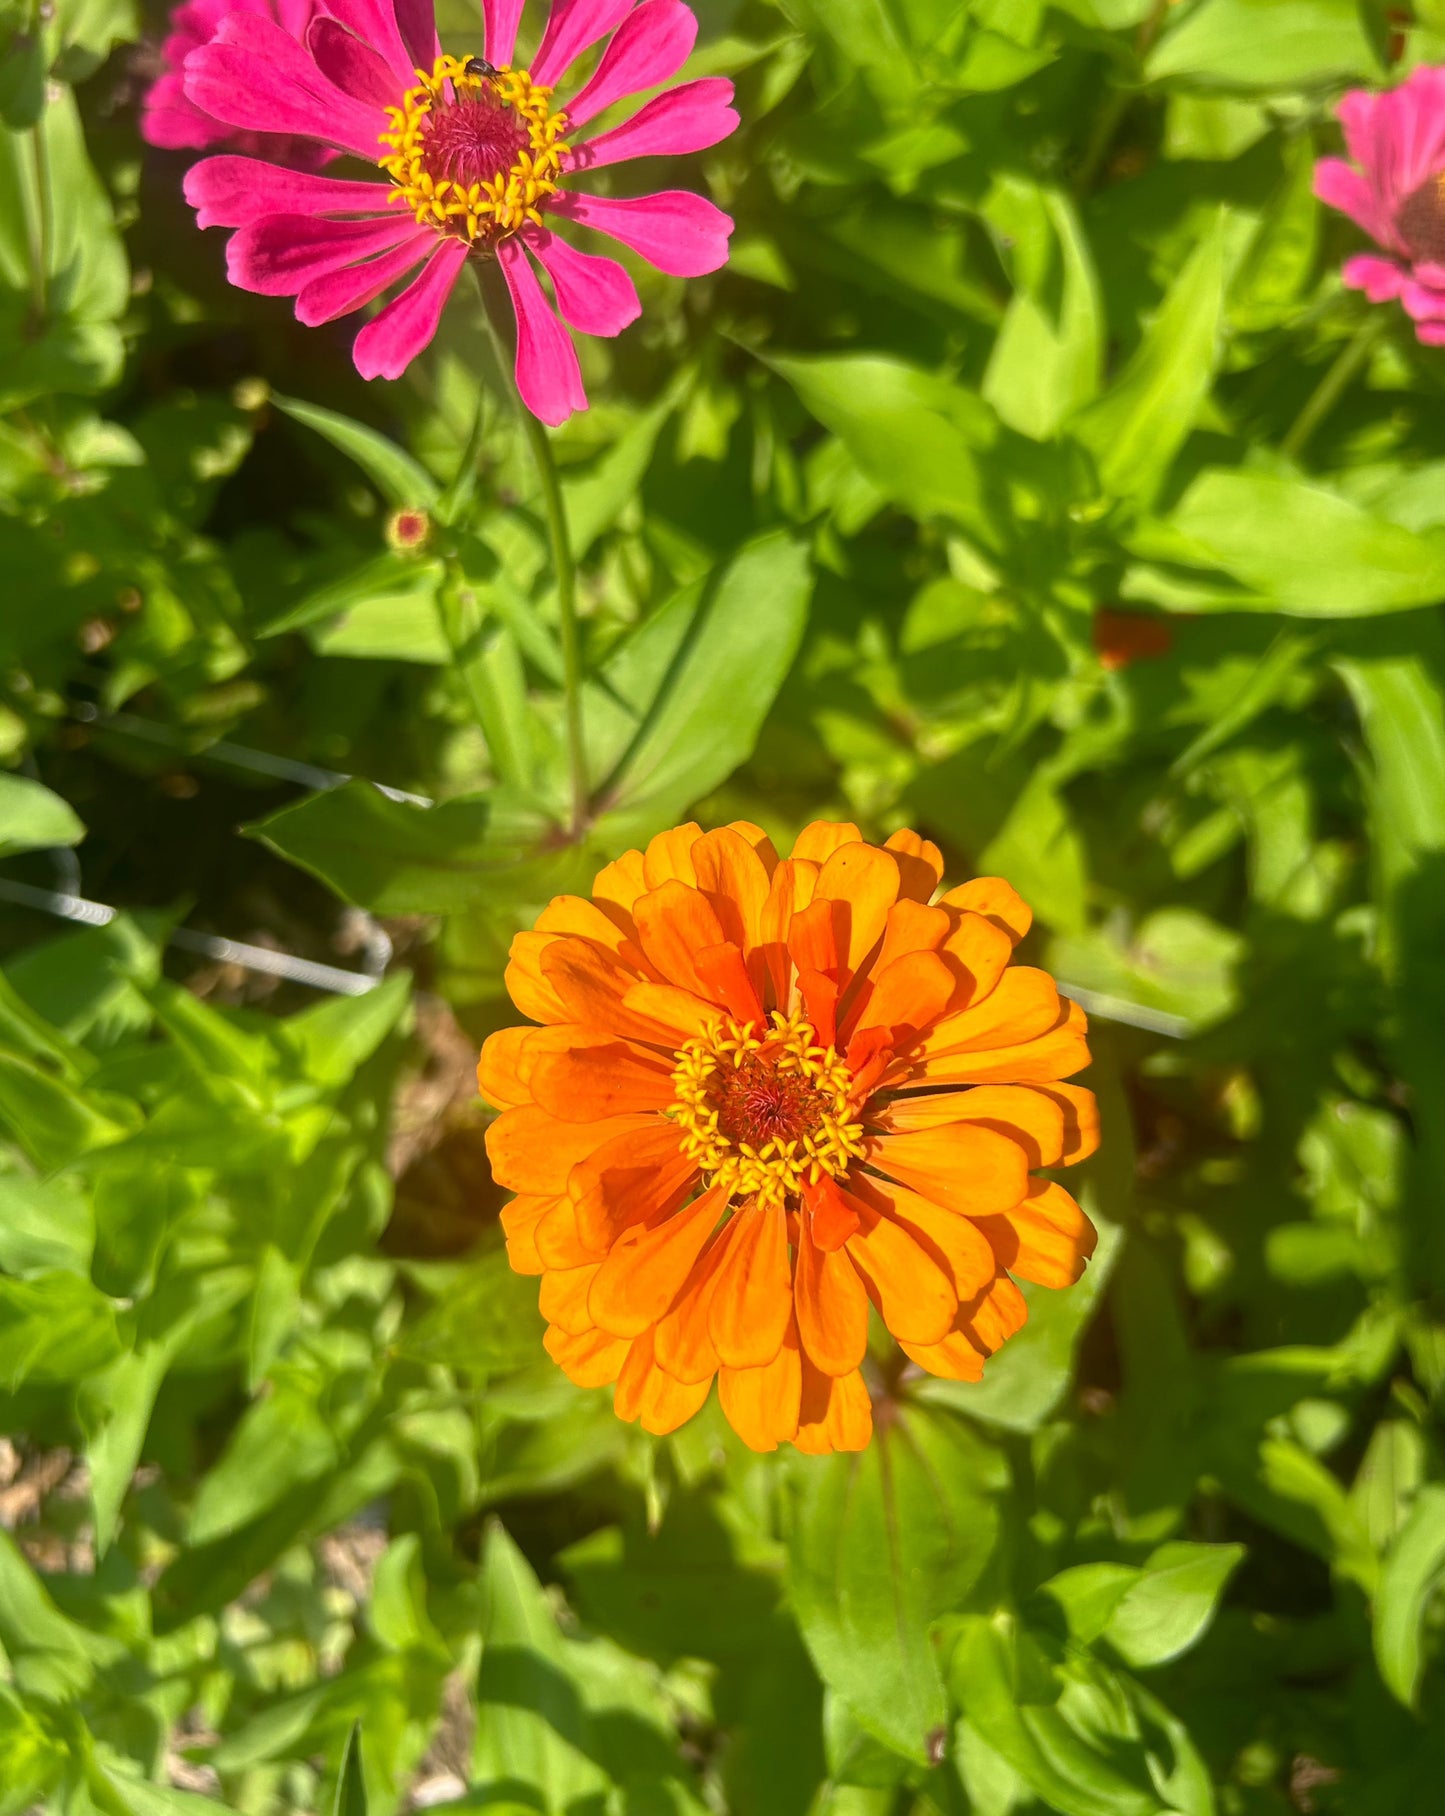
(55, 1327)
(402, 481)
(1254, 44)
(397, 859)
(1412, 1573)
(483, 1317)
(1170, 1605)
(350, 1785)
(884, 1542)
(385, 609)
(32, 817)
(1138, 425)
(332, 1040)
(736, 635)
(1307, 551)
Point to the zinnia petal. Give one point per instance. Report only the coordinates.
(253, 75)
(594, 294)
(390, 341)
(685, 119)
(340, 292)
(652, 43)
(548, 376)
(678, 232)
(572, 27)
(229, 191)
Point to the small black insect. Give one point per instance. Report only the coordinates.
(479, 66)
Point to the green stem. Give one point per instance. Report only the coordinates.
(40, 229)
(1328, 392)
(564, 568)
(1110, 116)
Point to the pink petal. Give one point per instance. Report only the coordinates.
(416, 21)
(548, 376)
(374, 22)
(353, 66)
(339, 292)
(388, 343)
(293, 16)
(677, 231)
(1431, 334)
(170, 121)
(1406, 136)
(500, 19)
(683, 119)
(1423, 304)
(230, 191)
(594, 295)
(1339, 186)
(281, 253)
(572, 27)
(252, 75)
(651, 44)
(1380, 279)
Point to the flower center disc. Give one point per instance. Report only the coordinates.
(474, 156)
(1421, 221)
(765, 1110)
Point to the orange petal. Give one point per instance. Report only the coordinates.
(684, 1344)
(910, 1286)
(531, 1151)
(509, 1057)
(1033, 1117)
(995, 1315)
(753, 835)
(955, 1242)
(912, 928)
(649, 1394)
(593, 983)
(962, 1166)
(735, 880)
(629, 1181)
(1046, 1239)
(789, 891)
(674, 924)
(761, 1404)
(669, 856)
(818, 936)
(955, 1358)
(574, 914)
(920, 863)
(977, 951)
(526, 985)
(831, 1219)
(726, 980)
(752, 1299)
(591, 1360)
(563, 1298)
(618, 884)
(835, 1413)
(1024, 1004)
(907, 997)
(832, 1307)
(646, 1269)
(614, 1078)
(866, 880)
(519, 1220)
(1046, 1059)
(822, 838)
(1081, 1120)
(995, 900)
(559, 1240)
(677, 1014)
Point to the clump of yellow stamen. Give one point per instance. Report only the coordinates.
(737, 1078)
(493, 206)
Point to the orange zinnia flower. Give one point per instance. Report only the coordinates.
(765, 1093)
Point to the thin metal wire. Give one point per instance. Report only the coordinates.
(239, 756)
(1132, 1015)
(285, 965)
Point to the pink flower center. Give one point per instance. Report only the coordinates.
(1421, 221)
(473, 140)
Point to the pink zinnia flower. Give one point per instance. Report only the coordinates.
(170, 120)
(1397, 195)
(472, 160)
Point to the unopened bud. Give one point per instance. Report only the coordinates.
(408, 530)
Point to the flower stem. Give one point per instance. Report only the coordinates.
(1328, 392)
(564, 568)
(40, 229)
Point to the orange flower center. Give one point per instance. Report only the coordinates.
(765, 1109)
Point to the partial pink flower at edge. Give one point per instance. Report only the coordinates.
(476, 163)
(1395, 191)
(171, 121)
